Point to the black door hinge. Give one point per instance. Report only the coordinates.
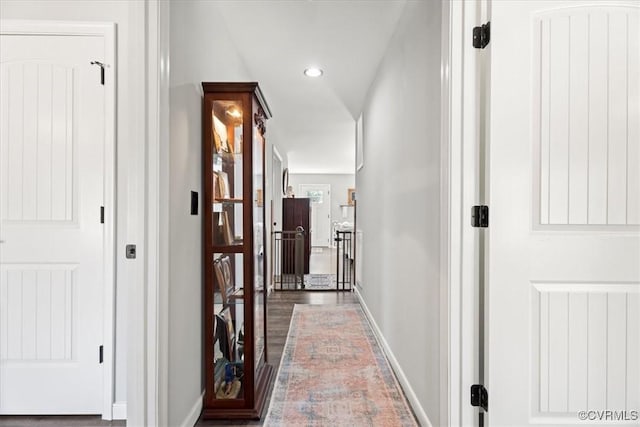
(480, 216)
(481, 36)
(101, 214)
(480, 397)
(101, 355)
(101, 70)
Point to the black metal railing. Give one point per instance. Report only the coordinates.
(288, 259)
(344, 260)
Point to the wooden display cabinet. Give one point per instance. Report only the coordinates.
(236, 371)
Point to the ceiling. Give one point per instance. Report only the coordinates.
(313, 120)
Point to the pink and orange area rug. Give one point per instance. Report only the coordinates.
(334, 373)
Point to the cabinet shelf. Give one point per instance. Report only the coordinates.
(237, 297)
(220, 200)
(227, 249)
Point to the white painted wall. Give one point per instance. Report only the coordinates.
(399, 201)
(128, 149)
(201, 50)
(339, 185)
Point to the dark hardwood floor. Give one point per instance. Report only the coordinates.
(279, 311)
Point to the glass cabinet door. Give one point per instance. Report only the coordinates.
(228, 327)
(226, 141)
(227, 119)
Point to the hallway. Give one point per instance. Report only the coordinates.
(429, 107)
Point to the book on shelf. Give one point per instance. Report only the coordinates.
(221, 185)
(223, 234)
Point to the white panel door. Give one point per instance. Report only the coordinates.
(320, 195)
(564, 243)
(51, 258)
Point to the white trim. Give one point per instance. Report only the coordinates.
(194, 413)
(456, 234)
(152, 207)
(119, 411)
(463, 186)
(164, 208)
(137, 389)
(147, 390)
(106, 30)
(157, 212)
(449, 367)
(43, 28)
(418, 410)
(109, 224)
(604, 287)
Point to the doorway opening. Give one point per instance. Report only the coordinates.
(313, 250)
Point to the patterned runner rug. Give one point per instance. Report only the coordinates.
(333, 373)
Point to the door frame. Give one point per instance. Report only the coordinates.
(460, 184)
(311, 232)
(148, 352)
(106, 30)
(147, 393)
(276, 200)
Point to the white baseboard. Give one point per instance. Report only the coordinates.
(194, 413)
(119, 410)
(418, 410)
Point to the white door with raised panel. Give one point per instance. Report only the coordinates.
(563, 308)
(52, 154)
(320, 195)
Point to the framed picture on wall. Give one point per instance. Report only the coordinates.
(259, 198)
(351, 196)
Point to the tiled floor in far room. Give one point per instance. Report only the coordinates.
(322, 260)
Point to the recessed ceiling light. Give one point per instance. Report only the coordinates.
(313, 72)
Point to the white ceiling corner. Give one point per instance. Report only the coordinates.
(314, 119)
